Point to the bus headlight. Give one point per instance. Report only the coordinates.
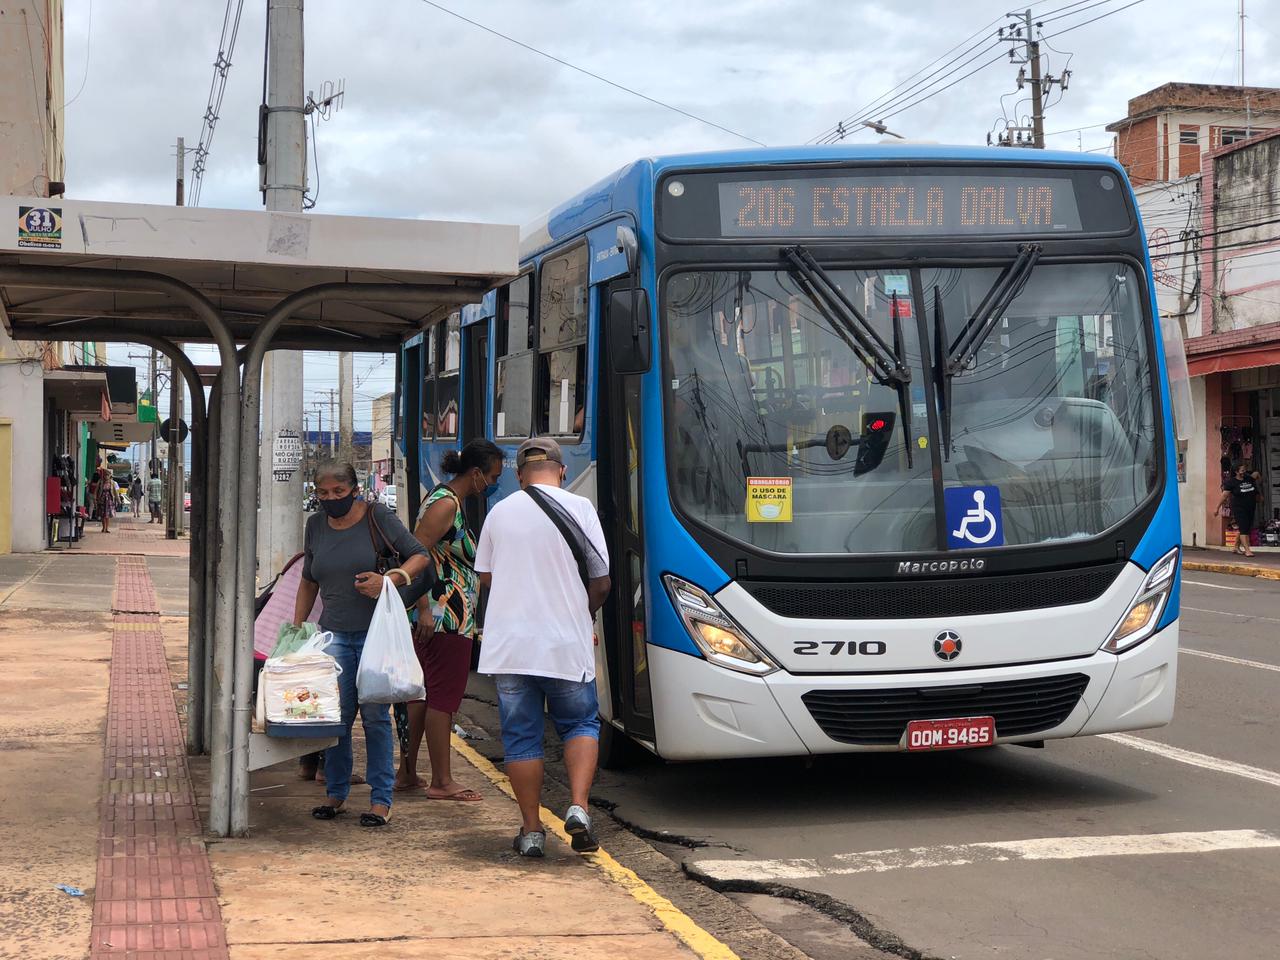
(720, 639)
(1140, 620)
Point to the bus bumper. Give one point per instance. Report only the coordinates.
(705, 712)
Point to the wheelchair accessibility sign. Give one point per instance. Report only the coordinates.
(973, 517)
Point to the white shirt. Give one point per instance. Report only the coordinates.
(538, 620)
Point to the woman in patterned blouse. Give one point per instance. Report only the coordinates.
(446, 624)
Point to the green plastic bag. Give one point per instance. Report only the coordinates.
(290, 638)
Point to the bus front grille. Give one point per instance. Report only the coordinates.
(879, 717)
(958, 597)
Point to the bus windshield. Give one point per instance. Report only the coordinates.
(1054, 407)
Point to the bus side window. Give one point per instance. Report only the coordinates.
(428, 398)
(562, 343)
(513, 379)
(448, 349)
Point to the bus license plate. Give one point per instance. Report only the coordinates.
(951, 734)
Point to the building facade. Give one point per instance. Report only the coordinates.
(31, 165)
(1168, 129)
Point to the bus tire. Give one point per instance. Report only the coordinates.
(617, 750)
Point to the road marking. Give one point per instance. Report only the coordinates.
(1228, 613)
(1225, 659)
(1269, 777)
(963, 854)
(1216, 586)
(669, 915)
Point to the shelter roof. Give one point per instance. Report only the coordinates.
(245, 262)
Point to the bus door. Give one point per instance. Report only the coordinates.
(475, 392)
(618, 447)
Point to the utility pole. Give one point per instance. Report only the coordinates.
(283, 184)
(155, 405)
(319, 427)
(333, 423)
(177, 468)
(1242, 43)
(182, 175)
(1021, 34)
(1037, 94)
(346, 400)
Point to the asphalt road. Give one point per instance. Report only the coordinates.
(1163, 844)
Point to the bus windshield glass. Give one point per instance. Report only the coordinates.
(784, 437)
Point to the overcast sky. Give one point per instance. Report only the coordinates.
(444, 120)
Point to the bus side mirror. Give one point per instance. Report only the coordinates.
(629, 340)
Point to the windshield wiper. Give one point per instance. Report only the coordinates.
(886, 364)
(964, 349)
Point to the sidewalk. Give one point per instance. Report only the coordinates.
(128, 536)
(99, 752)
(1222, 560)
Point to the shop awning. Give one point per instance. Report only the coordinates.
(79, 391)
(1224, 361)
(121, 431)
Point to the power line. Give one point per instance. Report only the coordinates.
(594, 76)
(217, 88)
(88, 46)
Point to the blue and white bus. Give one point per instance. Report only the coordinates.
(881, 438)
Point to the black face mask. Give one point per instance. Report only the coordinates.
(338, 508)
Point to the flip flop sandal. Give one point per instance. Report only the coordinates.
(466, 795)
(326, 812)
(373, 820)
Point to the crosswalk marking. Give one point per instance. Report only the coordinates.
(1002, 851)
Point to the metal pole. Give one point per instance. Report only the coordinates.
(199, 569)
(212, 481)
(333, 424)
(137, 281)
(285, 178)
(155, 408)
(173, 496)
(247, 494)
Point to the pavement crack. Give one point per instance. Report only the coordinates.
(829, 906)
(658, 836)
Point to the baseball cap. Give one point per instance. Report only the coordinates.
(538, 448)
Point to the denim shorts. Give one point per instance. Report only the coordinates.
(571, 704)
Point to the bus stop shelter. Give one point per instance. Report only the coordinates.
(247, 282)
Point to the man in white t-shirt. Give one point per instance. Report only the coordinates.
(538, 637)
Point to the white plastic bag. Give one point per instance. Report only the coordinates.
(389, 670)
(302, 687)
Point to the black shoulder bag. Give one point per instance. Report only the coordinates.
(575, 547)
(388, 558)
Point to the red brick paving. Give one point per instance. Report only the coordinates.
(155, 898)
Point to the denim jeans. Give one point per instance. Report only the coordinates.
(571, 704)
(379, 741)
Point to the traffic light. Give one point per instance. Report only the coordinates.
(877, 428)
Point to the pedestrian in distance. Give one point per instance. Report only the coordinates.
(135, 495)
(445, 625)
(106, 498)
(543, 557)
(1241, 490)
(340, 559)
(155, 494)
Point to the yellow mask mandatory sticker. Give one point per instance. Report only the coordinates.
(768, 499)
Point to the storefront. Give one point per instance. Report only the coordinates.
(1242, 424)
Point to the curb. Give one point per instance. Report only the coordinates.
(1238, 569)
(675, 920)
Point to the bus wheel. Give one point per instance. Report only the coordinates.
(617, 750)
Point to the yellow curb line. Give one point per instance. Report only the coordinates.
(1245, 569)
(670, 916)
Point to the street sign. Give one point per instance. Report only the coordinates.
(183, 430)
(286, 455)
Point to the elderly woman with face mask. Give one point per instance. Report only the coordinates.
(340, 560)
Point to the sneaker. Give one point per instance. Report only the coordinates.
(532, 844)
(577, 823)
